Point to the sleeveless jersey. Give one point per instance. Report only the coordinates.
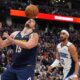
(23, 57)
(65, 59)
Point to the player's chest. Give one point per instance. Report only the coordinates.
(63, 49)
(63, 52)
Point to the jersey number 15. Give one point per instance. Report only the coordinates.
(18, 49)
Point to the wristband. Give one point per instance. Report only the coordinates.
(55, 63)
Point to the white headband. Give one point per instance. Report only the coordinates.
(66, 32)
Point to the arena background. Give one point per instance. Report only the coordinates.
(54, 16)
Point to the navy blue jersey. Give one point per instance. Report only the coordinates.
(23, 57)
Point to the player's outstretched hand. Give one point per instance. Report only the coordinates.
(49, 69)
(6, 35)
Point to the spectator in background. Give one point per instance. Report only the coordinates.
(1, 28)
(0, 25)
(9, 55)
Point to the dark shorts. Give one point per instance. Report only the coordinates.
(26, 73)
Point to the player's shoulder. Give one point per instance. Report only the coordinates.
(72, 49)
(72, 46)
(15, 33)
(58, 45)
(69, 43)
(35, 34)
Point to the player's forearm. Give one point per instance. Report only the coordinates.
(55, 63)
(19, 43)
(76, 67)
(22, 44)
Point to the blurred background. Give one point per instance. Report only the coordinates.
(48, 29)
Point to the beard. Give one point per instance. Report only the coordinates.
(62, 39)
(28, 26)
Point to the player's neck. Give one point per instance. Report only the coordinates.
(65, 42)
(26, 31)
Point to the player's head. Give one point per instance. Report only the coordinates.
(31, 23)
(64, 35)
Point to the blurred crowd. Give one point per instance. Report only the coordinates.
(46, 51)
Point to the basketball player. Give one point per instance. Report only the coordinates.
(25, 51)
(67, 56)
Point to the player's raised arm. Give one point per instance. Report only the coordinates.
(7, 42)
(74, 54)
(33, 41)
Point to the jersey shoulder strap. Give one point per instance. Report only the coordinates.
(14, 34)
(29, 34)
(68, 44)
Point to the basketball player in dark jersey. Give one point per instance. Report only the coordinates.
(25, 51)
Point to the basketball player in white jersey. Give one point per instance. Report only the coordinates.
(67, 56)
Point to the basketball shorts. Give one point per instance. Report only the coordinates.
(68, 74)
(26, 73)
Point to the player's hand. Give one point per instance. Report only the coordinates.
(49, 69)
(6, 35)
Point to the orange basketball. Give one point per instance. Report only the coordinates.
(31, 11)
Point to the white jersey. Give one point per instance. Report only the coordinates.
(65, 59)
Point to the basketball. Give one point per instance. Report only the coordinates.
(31, 11)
